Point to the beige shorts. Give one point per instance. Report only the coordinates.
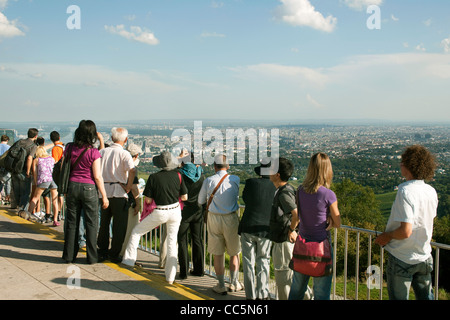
(223, 234)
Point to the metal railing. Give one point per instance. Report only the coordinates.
(378, 276)
(151, 242)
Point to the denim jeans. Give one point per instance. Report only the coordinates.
(321, 287)
(256, 266)
(81, 196)
(401, 276)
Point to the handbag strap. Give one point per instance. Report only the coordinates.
(78, 159)
(215, 190)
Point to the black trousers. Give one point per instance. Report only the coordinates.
(194, 224)
(118, 212)
(81, 196)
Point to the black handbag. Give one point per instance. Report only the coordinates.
(63, 170)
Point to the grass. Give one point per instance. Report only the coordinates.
(374, 293)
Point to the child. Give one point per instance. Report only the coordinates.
(42, 170)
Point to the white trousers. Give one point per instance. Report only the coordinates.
(172, 219)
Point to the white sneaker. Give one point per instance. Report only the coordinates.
(236, 287)
(219, 289)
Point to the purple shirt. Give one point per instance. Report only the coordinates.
(313, 212)
(83, 171)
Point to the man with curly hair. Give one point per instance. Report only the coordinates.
(409, 229)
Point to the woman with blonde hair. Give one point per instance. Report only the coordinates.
(318, 212)
(42, 173)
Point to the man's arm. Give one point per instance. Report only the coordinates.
(401, 233)
(28, 165)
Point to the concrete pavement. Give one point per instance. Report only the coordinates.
(31, 268)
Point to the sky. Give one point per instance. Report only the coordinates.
(297, 60)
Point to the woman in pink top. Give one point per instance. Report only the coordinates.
(42, 171)
(85, 182)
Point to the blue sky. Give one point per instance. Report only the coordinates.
(236, 59)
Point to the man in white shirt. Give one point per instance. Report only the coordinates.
(118, 173)
(223, 222)
(409, 229)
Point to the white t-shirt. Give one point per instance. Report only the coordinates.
(416, 203)
(115, 164)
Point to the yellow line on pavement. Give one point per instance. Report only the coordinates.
(175, 290)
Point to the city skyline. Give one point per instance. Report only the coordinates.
(269, 60)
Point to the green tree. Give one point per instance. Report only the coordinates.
(357, 205)
(358, 208)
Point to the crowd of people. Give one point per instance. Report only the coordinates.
(104, 209)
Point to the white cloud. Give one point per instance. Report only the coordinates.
(394, 18)
(212, 35)
(421, 47)
(446, 45)
(312, 101)
(361, 4)
(303, 13)
(428, 22)
(8, 29)
(216, 4)
(296, 73)
(135, 33)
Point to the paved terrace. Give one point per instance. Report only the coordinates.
(31, 268)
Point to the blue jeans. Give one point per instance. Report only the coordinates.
(401, 276)
(321, 287)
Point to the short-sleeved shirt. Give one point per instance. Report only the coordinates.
(3, 148)
(314, 210)
(416, 203)
(280, 215)
(165, 187)
(115, 165)
(83, 172)
(30, 146)
(45, 169)
(225, 200)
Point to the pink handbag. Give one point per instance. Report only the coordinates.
(312, 258)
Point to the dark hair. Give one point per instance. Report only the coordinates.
(4, 138)
(40, 141)
(285, 169)
(420, 162)
(32, 133)
(54, 136)
(85, 134)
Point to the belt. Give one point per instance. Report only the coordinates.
(167, 208)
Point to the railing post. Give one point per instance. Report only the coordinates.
(381, 272)
(357, 266)
(334, 262)
(369, 262)
(345, 263)
(436, 275)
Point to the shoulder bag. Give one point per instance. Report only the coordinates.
(212, 195)
(311, 258)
